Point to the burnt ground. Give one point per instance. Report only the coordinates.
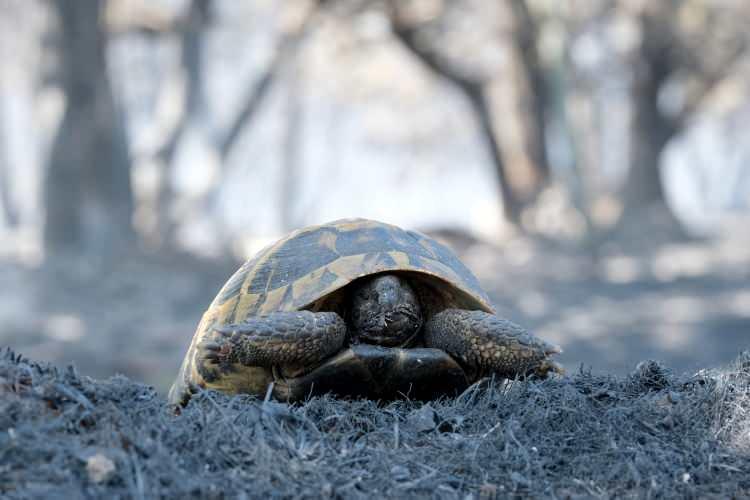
(649, 434)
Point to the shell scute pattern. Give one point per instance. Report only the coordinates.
(294, 259)
(234, 284)
(314, 261)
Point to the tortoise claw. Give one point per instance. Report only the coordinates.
(225, 330)
(210, 351)
(217, 348)
(211, 346)
(548, 366)
(552, 349)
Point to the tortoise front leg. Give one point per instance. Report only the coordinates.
(285, 339)
(488, 344)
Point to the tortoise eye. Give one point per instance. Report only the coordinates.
(368, 295)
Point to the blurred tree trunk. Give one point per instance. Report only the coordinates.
(6, 202)
(193, 29)
(537, 100)
(88, 195)
(530, 93)
(651, 129)
(291, 154)
(651, 132)
(10, 215)
(661, 55)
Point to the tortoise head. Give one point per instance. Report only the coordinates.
(384, 311)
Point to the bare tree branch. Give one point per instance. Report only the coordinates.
(477, 98)
(194, 26)
(709, 82)
(140, 16)
(291, 158)
(285, 51)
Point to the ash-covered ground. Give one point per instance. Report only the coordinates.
(648, 434)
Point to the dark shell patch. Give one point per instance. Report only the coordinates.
(234, 284)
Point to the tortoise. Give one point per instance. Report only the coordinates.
(358, 308)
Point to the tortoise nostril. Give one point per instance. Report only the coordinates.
(388, 298)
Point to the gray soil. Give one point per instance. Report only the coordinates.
(649, 434)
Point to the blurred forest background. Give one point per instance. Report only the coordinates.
(588, 159)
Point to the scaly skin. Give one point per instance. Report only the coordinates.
(298, 342)
(296, 339)
(487, 344)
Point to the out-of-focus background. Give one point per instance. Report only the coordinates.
(589, 160)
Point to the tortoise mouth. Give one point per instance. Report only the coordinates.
(397, 328)
(378, 372)
(388, 341)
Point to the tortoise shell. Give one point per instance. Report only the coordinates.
(307, 268)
